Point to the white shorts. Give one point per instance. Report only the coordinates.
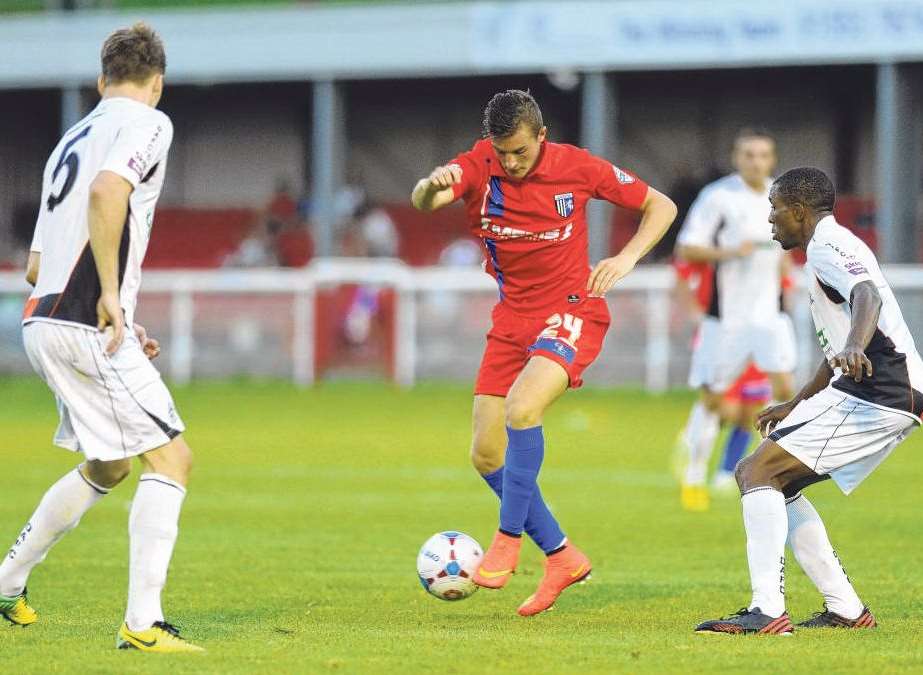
(840, 435)
(723, 351)
(111, 407)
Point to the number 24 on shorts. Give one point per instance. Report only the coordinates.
(568, 322)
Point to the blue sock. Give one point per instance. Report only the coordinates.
(735, 448)
(540, 524)
(524, 454)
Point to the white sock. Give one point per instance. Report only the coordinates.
(767, 528)
(699, 436)
(57, 514)
(152, 527)
(807, 537)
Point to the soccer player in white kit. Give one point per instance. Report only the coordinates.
(728, 226)
(99, 190)
(865, 398)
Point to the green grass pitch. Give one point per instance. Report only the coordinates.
(307, 508)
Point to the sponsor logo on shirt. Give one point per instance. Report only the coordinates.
(507, 232)
(137, 164)
(564, 204)
(139, 161)
(623, 177)
(855, 267)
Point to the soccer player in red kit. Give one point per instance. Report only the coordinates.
(526, 200)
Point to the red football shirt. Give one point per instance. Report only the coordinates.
(701, 280)
(534, 230)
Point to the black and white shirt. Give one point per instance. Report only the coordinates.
(837, 260)
(727, 213)
(125, 137)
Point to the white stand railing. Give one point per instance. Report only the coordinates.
(655, 282)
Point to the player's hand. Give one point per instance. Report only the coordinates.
(446, 176)
(607, 272)
(853, 362)
(768, 418)
(109, 314)
(150, 346)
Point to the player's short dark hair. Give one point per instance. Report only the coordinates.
(133, 54)
(747, 133)
(507, 110)
(806, 185)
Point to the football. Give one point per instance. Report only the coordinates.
(446, 564)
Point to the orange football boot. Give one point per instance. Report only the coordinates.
(499, 562)
(562, 569)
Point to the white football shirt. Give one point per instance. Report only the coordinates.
(837, 260)
(727, 213)
(120, 135)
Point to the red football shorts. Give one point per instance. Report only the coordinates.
(752, 386)
(571, 337)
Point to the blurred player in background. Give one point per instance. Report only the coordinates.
(99, 191)
(526, 199)
(728, 227)
(740, 405)
(865, 398)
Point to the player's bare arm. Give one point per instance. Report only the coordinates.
(712, 254)
(658, 212)
(32, 267)
(866, 306)
(109, 195)
(435, 191)
(866, 303)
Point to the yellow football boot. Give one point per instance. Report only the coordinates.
(17, 611)
(695, 498)
(161, 637)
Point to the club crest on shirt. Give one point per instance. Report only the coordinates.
(564, 204)
(623, 177)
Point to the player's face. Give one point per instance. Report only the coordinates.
(519, 151)
(786, 228)
(755, 159)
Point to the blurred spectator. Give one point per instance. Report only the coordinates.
(351, 199)
(258, 249)
(370, 234)
(282, 211)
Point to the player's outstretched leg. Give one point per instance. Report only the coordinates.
(487, 454)
(57, 514)
(699, 438)
(153, 526)
(808, 540)
(761, 478)
(537, 386)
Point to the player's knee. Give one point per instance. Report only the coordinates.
(751, 473)
(743, 473)
(173, 460)
(522, 415)
(107, 474)
(485, 458)
(712, 401)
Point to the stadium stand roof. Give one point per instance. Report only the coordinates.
(311, 42)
